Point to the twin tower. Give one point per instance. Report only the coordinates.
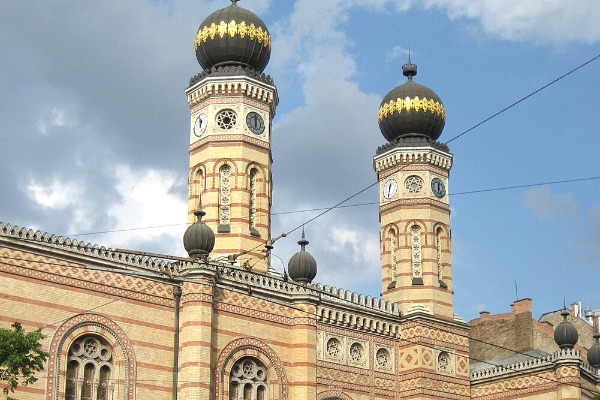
(233, 103)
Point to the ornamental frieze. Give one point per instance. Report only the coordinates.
(232, 29)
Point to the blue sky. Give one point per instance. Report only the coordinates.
(94, 128)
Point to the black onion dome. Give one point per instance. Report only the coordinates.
(233, 36)
(302, 267)
(411, 110)
(593, 354)
(199, 239)
(565, 334)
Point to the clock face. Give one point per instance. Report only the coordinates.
(437, 187)
(255, 123)
(390, 188)
(200, 124)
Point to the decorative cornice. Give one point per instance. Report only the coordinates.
(412, 141)
(405, 151)
(73, 246)
(229, 71)
(533, 364)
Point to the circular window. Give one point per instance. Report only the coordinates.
(226, 119)
(382, 357)
(334, 348)
(356, 352)
(414, 184)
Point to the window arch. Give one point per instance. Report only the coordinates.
(89, 369)
(197, 183)
(225, 195)
(393, 247)
(231, 385)
(110, 358)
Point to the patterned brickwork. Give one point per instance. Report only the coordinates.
(423, 383)
(515, 387)
(61, 272)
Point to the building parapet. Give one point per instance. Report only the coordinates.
(530, 364)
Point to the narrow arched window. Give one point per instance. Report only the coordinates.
(253, 201)
(197, 186)
(225, 195)
(89, 369)
(248, 380)
(417, 269)
(393, 250)
(438, 248)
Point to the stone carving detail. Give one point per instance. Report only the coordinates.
(416, 251)
(334, 349)
(226, 119)
(248, 380)
(225, 194)
(253, 199)
(393, 249)
(90, 369)
(445, 363)
(383, 359)
(438, 247)
(357, 353)
(413, 184)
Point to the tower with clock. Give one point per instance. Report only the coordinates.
(232, 103)
(413, 171)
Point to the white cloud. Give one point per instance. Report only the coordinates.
(588, 243)
(547, 205)
(361, 247)
(540, 21)
(54, 196)
(58, 117)
(149, 205)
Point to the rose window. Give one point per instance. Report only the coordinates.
(248, 380)
(382, 357)
(226, 119)
(356, 353)
(89, 370)
(413, 184)
(334, 348)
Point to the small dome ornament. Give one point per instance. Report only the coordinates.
(199, 239)
(302, 267)
(233, 36)
(593, 355)
(565, 334)
(411, 110)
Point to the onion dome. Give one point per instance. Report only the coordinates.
(233, 36)
(411, 110)
(302, 267)
(565, 334)
(593, 354)
(199, 239)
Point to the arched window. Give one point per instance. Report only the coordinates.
(225, 195)
(248, 380)
(393, 259)
(417, 269)
(89, 369)
(253, 202)
(438, 247)
(197, 186)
